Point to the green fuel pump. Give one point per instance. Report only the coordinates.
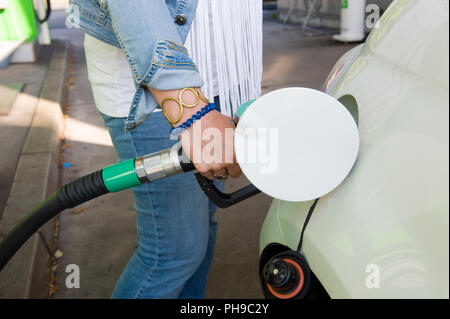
(17, 21)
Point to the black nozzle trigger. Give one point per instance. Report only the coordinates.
(219, 198)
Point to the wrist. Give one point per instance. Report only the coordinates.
(180, 105)
(206, 113)
(189, 112)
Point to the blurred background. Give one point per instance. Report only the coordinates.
(51, 134)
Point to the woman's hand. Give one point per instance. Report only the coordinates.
(209, 142)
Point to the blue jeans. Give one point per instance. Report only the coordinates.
(175, 222)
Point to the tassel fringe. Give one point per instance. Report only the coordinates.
(228, 34)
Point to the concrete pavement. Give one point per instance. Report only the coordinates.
(30, 132)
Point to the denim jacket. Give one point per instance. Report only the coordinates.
(152, 34)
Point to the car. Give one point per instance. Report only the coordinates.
(384, 232)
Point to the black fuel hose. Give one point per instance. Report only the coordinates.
(68, 196)
(114, 178)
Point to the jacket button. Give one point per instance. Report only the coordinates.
(181, 19)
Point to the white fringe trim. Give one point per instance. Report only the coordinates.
(234, 37)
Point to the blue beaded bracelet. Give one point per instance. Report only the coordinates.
(176, 131)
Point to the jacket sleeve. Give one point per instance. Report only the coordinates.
(149, 37)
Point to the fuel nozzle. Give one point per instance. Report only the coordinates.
(162, 164)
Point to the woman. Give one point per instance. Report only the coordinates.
(145, 84)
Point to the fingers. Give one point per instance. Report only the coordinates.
(209, 175)
(221, 174)
(234, 171)
(212, 154)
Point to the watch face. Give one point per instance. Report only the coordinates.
(296, 144)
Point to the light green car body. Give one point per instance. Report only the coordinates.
(384, 232)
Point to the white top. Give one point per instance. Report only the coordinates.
(110, 76)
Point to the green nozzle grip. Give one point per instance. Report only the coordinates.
(120, 176)
(241, 109)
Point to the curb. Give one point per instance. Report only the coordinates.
(28, 273)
